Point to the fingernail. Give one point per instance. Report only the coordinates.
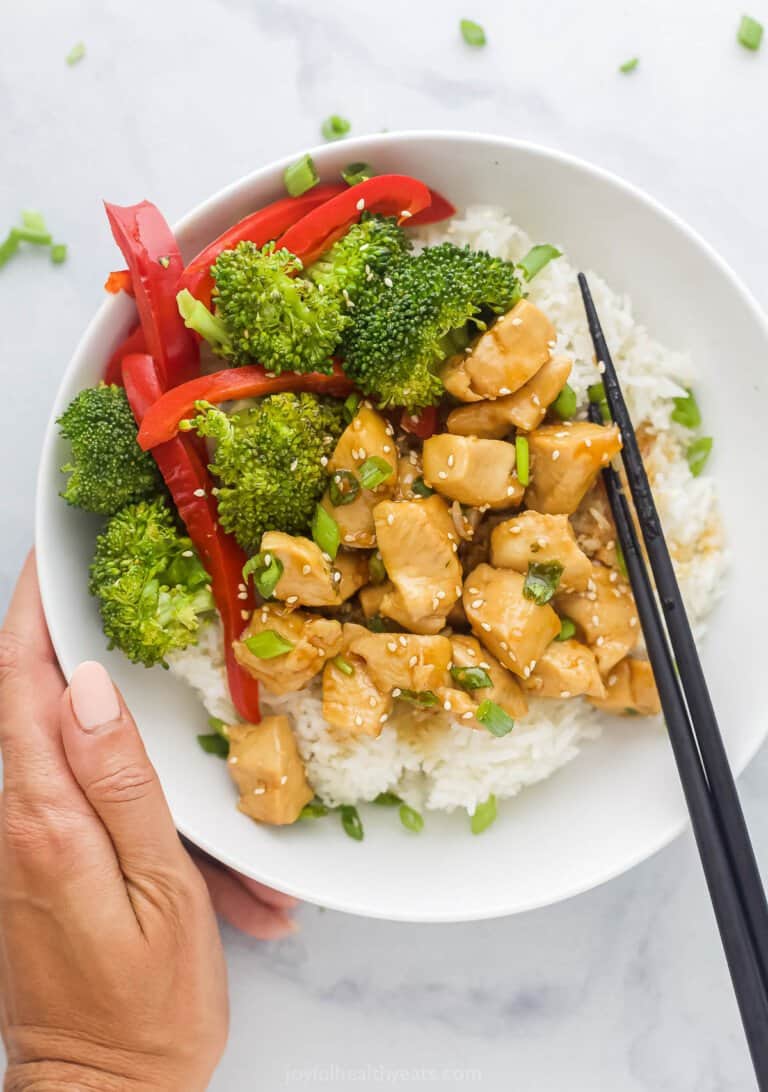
(93, 697)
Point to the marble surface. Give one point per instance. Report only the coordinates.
(622, 989)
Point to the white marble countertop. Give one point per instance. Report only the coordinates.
(622, 989)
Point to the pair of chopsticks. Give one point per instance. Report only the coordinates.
(718, 822)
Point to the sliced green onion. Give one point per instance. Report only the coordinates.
(33, 235)
(268, 644)
(564, 406)
(484, 815)
(522, 459)
(351, 406)
(472, 33)
(541, 580)
(536, 258)
(421, 489)
(621, 561)
(750, 32)
(58, 253)
(630, 65)
(376, 624)
(697, 454)
(567, 630)
(424, 699)
(300, 176)
(357, 172)
(335, 127)
(165, 261)
(376, 571)
(266, 571)
(214, 744)
(342, 488)
(351, 822)
(686, 411)
(34, 220)
(387, 800)
(374, 471)
(315, 809)
(471, 678)
(325, 531)
(411, 819)
(76, 53)
(343, 665)
(596, 394)
(219, 727)
(494, 718)
(8, 248)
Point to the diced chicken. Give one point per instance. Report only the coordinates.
(503, 359)
(404, 661)
(564, 670)
(606, 615)
(515, 629)
(307, 576)
(350, 573)
(417, 541)
(631, 688)
(533, 536)
(351, 700)
(472, 471)
(371, 596)
(505, 691)
(265, 764)
(459, 704)
(565, 460)
(367, 436)
(408, 470)
(313, 640)
(525, 409)
(594, 527)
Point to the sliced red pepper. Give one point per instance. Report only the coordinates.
(119, 280)
(259, 228)
(161, 421)
(155, 264)
(439, 209)
(190, 485)
(423, 423)
(134, 343)
(388, 194)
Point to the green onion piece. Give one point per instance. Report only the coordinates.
(300, 176)
(472, 33)
(266, 573)
(315, 809)
(387, 800)
(219, 727)
(374, 471)
(268, 644)
(357, 172)
(165, 261)
(411, 819)
(596, 394)
(697, 454)
(686, 411)
(424, 699)
(342, 488)
(541, 580)
(76, 53)
(33, 235)
(351, 406)
(214, 744)
(484, 816)
(34, 220)
(621, 561)
(564, 406)
(750, 32)
(335, 127)
(494, 718)
(58, 253)
(343, 665)
(325, 531)
(567, 630)
(421, 489)
(536, 258)
(8, 248)
(522, 459)
(350, 820)
(376, 624)
(376, 571)
(630, 65)
(471, 678)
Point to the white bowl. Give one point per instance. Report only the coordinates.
(620, 800)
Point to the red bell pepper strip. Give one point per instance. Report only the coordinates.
(186, 476)
(259, 228)
(155, 264)
(134, 343)
(439, 209)
(388, 194)
(161, 420)
(423, 423)
(119, 280)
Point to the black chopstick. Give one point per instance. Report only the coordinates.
(721, 835)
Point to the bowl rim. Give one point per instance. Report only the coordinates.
(320, 151)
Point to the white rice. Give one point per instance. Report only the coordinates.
(448, 765)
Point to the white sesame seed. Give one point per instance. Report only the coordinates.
(442, 475)
(612, 680)
(515, 530)
(595, 619)
(187, 553)
(245, 615)
(292, 599)
(284, 779)
(485, 626)
(388, 282)
(242, 595)
(233, 760)
(372, 702)
(516, 322)
(390, 519)
(396, 692)
(457, 590)
(633, 621)
(383, 718)
(535, 399)
(511, 490)
(485, 665)
(323, 460)
(199, 493)
(403, 641)
(467, 716)
(600, 642)
(450, 460)
(440, 594)
(601, 367)
(386, 448)
(526, 672)
(259, 790)
(358, 720)
(504, 390)
(565, 693)
(587, 442)
(360, 204)
(336, 576)
(413, 661)
(294, 464)
(555, 455)
(391, 646)
(476, 603)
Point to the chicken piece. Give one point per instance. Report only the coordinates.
(565, 460)
(371, 596)
(594, 527)
(307, 576)
(504, 358)
(532, 536)
(314, 640)
(417, 541)
(350, 573)
(368, 435)
(408, 470)
(351, 700)
(631, 688)
(606, 615)
(515, 629)
(525, 409)
(460, 704)
(404, 661)
(471, 471)
(265, 764)
(506, 691)
(564, 670)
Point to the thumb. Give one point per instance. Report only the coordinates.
(108, 759)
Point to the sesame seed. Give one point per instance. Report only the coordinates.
(440, 594)
(199, 493)
(245, 615)
(388, 282)
(390, 519)
(284, 779)
(633, 621)
(360, 204)
(242, 595)
(595, 619)
(403, 641)
(294, 464)
(413, 661)
(485, 626)
(600, 642)
(516, 530)
(551, 344)
(504, 390)
(372, 702)
(386, 448)
(358, 720)
(323, 460)
(442, 475)
(292, 599)
(383, 718)
(450, 460)
(435, 603)
(612, 680)
(457, 590)
(535, 399)
(601, 367)
(233, 760)
(516, 322)
(555, 455)
(187, 553)
(565, 693)
(476, 603)
(526, 672)
(467, 716)
(391, 646)
(396, 692)
(614, 576)
(405, 214)
(511, 490)
(587, 442)
(473, 591)
(484, 665)
(336, 576)
(259, 790)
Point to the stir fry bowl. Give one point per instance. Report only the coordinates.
(620, 800)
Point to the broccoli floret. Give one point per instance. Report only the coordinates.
(270, 462)
(372, 246)
(426, 308)
(108, 468)
(151, 586)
